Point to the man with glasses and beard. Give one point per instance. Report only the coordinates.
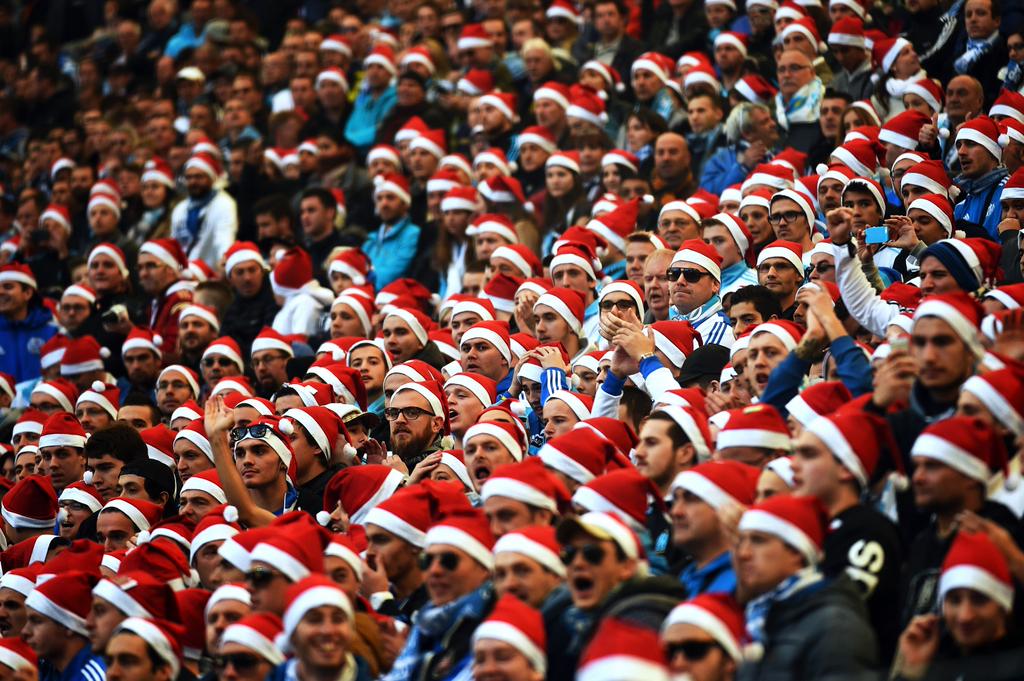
(695, 277)
(418, 422)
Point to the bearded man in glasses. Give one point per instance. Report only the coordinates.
(695, 278)
(416, 415)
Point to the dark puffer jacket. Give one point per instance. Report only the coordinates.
(822, 634)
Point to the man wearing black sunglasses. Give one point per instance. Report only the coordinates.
(237, 653)
(600, 554)
(696, 280)
(702, 638)
(221, 359)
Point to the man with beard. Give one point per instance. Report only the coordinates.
(337, 169)
(160, 264)
(141, 356)
(206, 224)
(221, 359)
(417, 417)
(318, 213)
(270, 355)
(198, 325)
(253, 306)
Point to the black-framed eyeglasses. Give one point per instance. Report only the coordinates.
(408, 413)
(620, 305)
(260, 578)
(693, 651)
(256, 431)
(822, 267)
(242, 662)
(690, 275)
(215, 360)
(592, 553)
(447, 560)
(785, 216)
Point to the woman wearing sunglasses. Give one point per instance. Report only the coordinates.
(702, 638)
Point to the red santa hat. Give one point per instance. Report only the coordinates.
(297, 552)
(967, 445)
(938, 207)
(504, 433)
(167, 251)
(269, 339)
(658, 64)
(473, 36)
(206, 163)
(786, 250)
(718, 615)
(142, 339)
(516, 624)
(467, 531)
(694, 424)
(974, 562)
(563, 9)
(143, 514)
(700, 74)
(960, 311)
(622, 492)
(756, 89)
(806, 27)
(519, 255)
(107, 397)
(528, 482)
(848, 32)
(699, 252)
(419, 54)
(30, 504)
(719, 483)
(359, 490)
(758, 425)
(984, 131)
(623, 650)
(505, 102)
(553, 91)
(930, 175)
(536, 542)
(617, 224)
(1009, 104)
(66, 599)
(227, 347)
(580, 454)
(62, 430)
(393, 183)
(195, 433)
(493, 332)
(885, 51)
(733, 39)
(817, 400)
(384, 152)
(257, 632)
(382, 55)
(19, 273)
(431, 141)
(798, 521)
(587, 105)
(928, 90)
(857, 440)
(315, 591)
(567, 303)
(17, 655)
(903, 128)
(84, 494)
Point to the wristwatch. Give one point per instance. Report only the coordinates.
(646, 355)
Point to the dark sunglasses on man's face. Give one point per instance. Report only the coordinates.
(447, 560)
(260, 578)
(242, 662)
(693, 651)
(209, 362)
(256, 432)
(691, 275)
(592, 553)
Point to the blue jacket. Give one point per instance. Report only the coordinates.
(717, 577)
(980, 203)
(391, 250)
(723, 169)
(368, 113)
(83, 667)
(20, 343)
(852, 368)
(286, 671)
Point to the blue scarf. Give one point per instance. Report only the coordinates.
(431, 624)
(696, 316)
(976, 49)
(1014, 76)
(757, 609)
(194, 219)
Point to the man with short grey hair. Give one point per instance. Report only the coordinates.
(753, 136)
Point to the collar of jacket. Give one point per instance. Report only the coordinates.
(987, 181)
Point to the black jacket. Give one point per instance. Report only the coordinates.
(689, 34)
(820, 634)
(244, 317)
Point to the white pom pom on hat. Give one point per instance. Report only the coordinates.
(98, 386)
(158, 340)
(944, 133)
(286, 427)
(87, 477)
(104, 353)
(230, 514)
(821, 168)
(323, 517)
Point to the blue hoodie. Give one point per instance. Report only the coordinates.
(20, 342)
